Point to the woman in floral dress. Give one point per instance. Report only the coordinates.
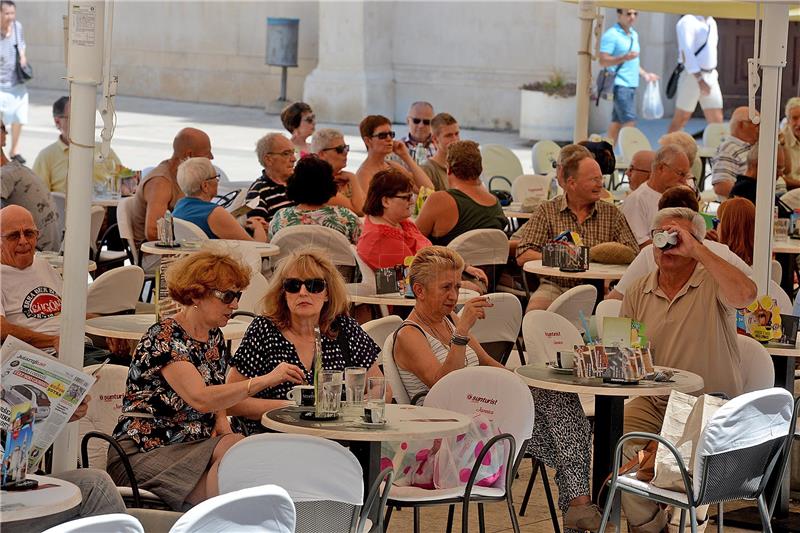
(311, 187)
(174, 427)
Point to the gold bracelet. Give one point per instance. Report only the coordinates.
(249, 381)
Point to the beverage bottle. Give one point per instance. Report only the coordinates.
(420, 153)
(317, 371)
(169, 228)
(553, 189)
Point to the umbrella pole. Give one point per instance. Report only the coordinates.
(586, 14)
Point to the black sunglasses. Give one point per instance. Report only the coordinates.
(341, 149)
(425, 121)
(384, 134)
(227, 297)
(313, 285)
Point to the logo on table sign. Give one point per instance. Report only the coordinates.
(41, 302)
(481, 399)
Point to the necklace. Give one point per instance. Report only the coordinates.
(433, 329)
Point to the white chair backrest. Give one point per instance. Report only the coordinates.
(546, 333)
(104, 409)
(715, 133)
(253, 295)
(238, 201)
(756, 365)
(544, 156)
(576, 299)
(117, 522)
(498, 160)
(60, 201)
(266, 508)
(125, 224)
(115, 291)
(606, 308)
(367, 285)
(392, 373)
(632, 140)
(776, 272)
(480, 247)
(98, 213)
(503, 320)
(246, 252)
(380, 329)
(509, 405)
(531, 185)
(334, 244)
(309, 468)
(780, 296)
(188, 231)
(748, 420)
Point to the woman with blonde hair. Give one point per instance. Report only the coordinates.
(174, 426)
(306, 291)
(737, 227)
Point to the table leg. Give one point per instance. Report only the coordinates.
(369, 457)
(609, 413)
(788, 262)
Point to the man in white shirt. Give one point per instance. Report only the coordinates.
(699, 81)
(670, 167)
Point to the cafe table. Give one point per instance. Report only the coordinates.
(786, 252)
(609, 406)
(56, 260)
(53, 496)
(133, 327)
(106, 201)
(264, 249)
(596, 271)
(404, 423)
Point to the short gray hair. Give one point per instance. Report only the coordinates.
(681, 213)
(791, 104)
(322, 138)
(666, 155)
(193, 172)
(264, 145)
(682, 140)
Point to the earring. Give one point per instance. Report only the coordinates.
(195, 306)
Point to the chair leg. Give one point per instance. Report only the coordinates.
(465, 516)
(481, 519)
(720, 510)
(416, 519)
(450, 512)
(521, 350)
(387, 517)
(683, 520)
(764, 512)
(534, 471)
(612, 492)
(550, 502)
(513, 513)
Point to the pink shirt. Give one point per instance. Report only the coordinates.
(382, 246)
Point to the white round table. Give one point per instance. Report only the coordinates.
(516, 214)
(264, 249)
(597, 271)
(44, 501)
(106, 201)
(609, 406)
(57, 261)
(133, 327)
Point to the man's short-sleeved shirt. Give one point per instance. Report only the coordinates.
(639, 208)
(605, 223)
(695, 331)
(20, 186)
(730, 160)
(437, 174)
(271, 197)
(31, 297)
(52, 165)
(615, 42)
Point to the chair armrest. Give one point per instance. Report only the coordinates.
(479, 459)
(418, 396)
(375, 497)
(120, 453)
(687, 483)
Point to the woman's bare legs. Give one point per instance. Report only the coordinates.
(208, 485)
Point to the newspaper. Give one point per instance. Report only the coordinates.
(55, 389)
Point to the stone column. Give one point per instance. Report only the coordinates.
(354, 76)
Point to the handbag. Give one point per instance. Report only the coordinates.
(672, 84)
(503, 196)
(23, 73)
(604, 84)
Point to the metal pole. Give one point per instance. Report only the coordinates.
(586, 14)
(84, 72)
(284, 77)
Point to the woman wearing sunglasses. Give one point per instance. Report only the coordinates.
(173, 426)
(378, 136)
(328, 144)
(306, 291)
(299, 120)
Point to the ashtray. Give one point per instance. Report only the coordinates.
(373, 424)
(620, 381)
(312, 415)
(571, 270)
(165, 245)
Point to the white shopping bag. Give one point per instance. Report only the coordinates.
(652, 107)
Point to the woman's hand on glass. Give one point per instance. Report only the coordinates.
(287, 372)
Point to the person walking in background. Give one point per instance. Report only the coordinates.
(699, 81)
(619, 48)
(13, 93)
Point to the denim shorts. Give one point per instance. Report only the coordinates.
(624, 104)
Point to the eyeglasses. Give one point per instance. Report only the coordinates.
(384, 134)
(341, 149)
(634, 169)
(14, 236)
(404, 197)
(310, 119)
(227, 297)
(685, 175)
(285, 153)
(216, 177)
(425, 121)
(313, 285)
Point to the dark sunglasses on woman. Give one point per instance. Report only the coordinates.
(227, 297)
(313, 285)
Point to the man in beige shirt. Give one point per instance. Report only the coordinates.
(445, 132)
(687, 307)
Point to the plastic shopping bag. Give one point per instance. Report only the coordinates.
(652, 107)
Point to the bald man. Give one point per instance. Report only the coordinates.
(731, 157)
(159, 190)
(639, 170)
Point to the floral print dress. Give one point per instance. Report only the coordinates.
(159, 415)
(335, 217)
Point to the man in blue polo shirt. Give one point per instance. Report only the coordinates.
(619, 50)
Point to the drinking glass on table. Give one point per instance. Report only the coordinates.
(331, 391)
(376, 399)
(780, 229)
(355, 380)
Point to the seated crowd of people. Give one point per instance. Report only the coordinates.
(184, 383)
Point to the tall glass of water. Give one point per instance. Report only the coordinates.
(331, 392)
(355, 381)
(376, 400)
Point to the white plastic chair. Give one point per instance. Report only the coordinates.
(776, 271)
(104, 523)
(632, 140)
(756, 364)
(188, 231)
(499, 331)
(733, 458)
(98, 213)
(125, 226)
(380, 329)
(498, 160)
(334, 244)
(392, 373)
(606, 308)
(532, 185)
(253, 295)
(256, 509)
(715, 133)
(572, 302)
(544, 156)
(60, 201)
(115, 291)
(512, 414)
(780, 296)
(483, 248)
